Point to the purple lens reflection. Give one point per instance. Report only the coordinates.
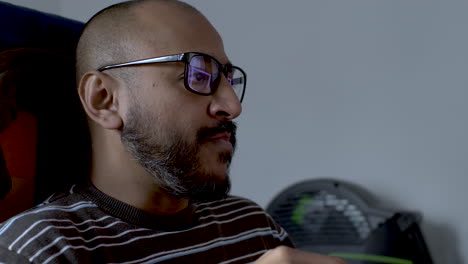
(203, 72)
(203, 75)
(199, 80)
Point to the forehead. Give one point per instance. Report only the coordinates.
(166, 29)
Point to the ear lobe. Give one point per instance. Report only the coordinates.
(98, 95)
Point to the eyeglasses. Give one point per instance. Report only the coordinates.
(202, 72)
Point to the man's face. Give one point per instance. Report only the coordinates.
(173, 156)
(184, 140)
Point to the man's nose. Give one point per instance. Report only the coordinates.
(225, 104)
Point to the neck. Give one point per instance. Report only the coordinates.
(117, 174)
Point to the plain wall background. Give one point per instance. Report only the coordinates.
(369, 91)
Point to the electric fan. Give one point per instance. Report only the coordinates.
(336, 218)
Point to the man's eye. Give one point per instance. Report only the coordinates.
(201, 77)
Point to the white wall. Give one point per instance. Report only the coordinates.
(370, 91)
(49, 6)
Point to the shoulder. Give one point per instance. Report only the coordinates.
(52, 226)
(57, 208)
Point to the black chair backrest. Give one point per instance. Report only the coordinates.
(37, 75)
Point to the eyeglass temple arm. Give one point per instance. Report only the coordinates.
(170, 58)
(237, 81)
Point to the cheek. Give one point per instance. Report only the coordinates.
(176, 109)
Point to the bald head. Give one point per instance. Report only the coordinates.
(116, 33)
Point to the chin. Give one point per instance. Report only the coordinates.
(219, 173)
(216, 162)
(211, 189)
(210, 184)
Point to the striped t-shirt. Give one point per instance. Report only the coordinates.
(84, 225)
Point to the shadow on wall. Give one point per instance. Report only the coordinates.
(443, 242)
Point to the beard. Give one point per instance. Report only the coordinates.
(174, 161)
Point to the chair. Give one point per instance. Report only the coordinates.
(44, 138)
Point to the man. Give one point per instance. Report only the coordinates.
(161, 97)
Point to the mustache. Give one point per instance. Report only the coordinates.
(221, 127)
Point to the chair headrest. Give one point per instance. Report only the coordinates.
(23, 27)
(42, 43)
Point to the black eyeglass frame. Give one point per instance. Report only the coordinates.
(184, 57)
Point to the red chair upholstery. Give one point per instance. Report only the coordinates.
(18, 143)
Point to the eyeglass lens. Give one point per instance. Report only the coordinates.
(203, 76)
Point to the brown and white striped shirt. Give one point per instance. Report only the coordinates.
(86, 226)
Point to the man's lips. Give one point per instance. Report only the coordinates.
(222, 135)
(226, 136)
(222, 139)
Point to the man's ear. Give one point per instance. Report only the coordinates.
(99, 95)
